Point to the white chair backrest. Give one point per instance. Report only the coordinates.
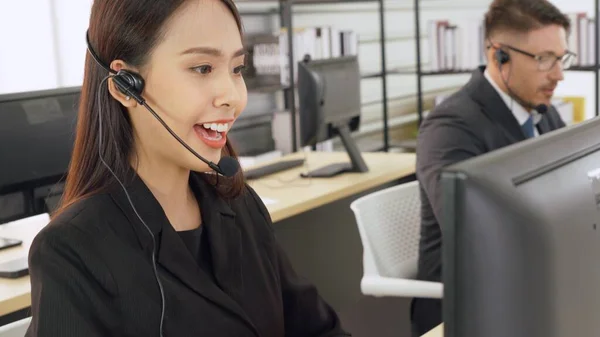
(389, 227)
(15, 329)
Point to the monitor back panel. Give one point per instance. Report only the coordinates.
(36, 135)
(522, 239)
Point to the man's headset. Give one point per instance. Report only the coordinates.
(132, 84)
(502, 57)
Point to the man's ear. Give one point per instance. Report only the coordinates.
(490, 52)
(124, 99)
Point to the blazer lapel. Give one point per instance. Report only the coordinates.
(151, 218)
(225, 242)
(545, 124)
(224, 237)
(493, 106)
(175, 258)
(226, 253)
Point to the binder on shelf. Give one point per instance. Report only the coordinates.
(565, 109)
(578, 103)
(455, 46)
(318, 43)
(582, 39)
(263, 63)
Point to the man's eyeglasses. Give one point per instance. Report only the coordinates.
(547, 60)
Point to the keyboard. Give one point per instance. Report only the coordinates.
(276, 167)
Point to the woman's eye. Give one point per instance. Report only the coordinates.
(205, 69)
(239, 70)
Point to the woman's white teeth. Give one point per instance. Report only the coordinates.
(219, 127)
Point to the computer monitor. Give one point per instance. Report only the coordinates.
(521, 233)
(36, 139)
(252, 134)
(329, 106)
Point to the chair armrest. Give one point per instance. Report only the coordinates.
(387, 286)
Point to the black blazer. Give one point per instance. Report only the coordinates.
(473, 121)
(92, 274)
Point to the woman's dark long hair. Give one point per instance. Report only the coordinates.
(127, 30)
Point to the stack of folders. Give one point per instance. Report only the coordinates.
(456, 46)
(269, 52)
(582, 39)
(461, 45)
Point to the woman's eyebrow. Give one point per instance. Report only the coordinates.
(212, 51)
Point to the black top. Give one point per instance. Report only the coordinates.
(198, 246)
(193, 241)
(92, 274)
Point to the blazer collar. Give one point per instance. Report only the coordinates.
(151, 212)
(135, 198)
(224, 238)
(545, 125)
(520, 113)
(482, 92)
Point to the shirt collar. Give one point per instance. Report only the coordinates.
(520, 113)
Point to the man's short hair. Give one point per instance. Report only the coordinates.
(523, 16)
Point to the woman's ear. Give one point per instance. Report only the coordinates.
(124, 99)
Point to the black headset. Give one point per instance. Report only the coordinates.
(128, 82)
(501, 56)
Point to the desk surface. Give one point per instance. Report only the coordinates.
(284, 193)
(436, 332)
(287, 194)
(15, 294)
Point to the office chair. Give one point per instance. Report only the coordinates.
(15, 329)
(389, 225)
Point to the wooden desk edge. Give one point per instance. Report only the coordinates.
(14, 304)
(331, 197)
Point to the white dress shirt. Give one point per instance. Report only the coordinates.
(521, 114)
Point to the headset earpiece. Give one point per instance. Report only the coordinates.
(130, 84)
(502, 57)
(127, 82)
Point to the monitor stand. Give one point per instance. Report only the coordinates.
(356, 164)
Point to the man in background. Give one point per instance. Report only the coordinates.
(504, 103)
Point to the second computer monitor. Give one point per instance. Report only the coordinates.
(521, 238)
(329, 106)
(36, 140)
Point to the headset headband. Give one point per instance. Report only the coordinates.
(94, 55)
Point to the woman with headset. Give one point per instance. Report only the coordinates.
(153, 238)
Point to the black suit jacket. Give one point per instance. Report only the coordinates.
(92, 274)
(473, 121)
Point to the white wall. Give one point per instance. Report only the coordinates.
(70, 24)
(27, 54)
(42, 44)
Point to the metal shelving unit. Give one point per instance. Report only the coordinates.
(286, 20)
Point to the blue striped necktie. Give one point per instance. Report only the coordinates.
(528, 127)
